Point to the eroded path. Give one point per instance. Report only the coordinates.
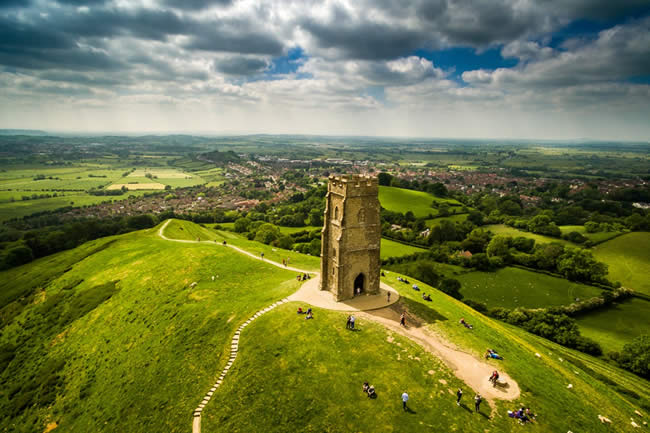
(474, 372)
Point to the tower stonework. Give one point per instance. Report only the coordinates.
(351, 237)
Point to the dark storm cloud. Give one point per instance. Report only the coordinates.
(240, 66)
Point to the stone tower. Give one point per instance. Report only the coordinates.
(351, 237)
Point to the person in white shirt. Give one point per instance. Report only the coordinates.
(405, 398)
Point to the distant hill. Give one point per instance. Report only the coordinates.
(22, 132)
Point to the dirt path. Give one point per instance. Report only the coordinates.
(254, 256)
(466, 367)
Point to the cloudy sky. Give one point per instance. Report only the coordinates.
(546, 69)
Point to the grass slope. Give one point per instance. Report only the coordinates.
(403, 200)
(395, 249)
(514, 287)
(594, 237)
(135, 353)
(628, 258)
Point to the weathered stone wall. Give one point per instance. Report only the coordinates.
(351, 236)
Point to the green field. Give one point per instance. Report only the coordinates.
(403, 200)
(618, 324)
(454, 218)
(514, 287)
(502, 229)
(594, 237)
(395, 249)
(628, 258)
(111, 337)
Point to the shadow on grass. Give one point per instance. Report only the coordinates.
(423, 311)
(464, 406)
(409, 410)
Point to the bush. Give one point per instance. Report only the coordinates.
(478, 306)
(451, 287)
(18, 256)
(635, 356)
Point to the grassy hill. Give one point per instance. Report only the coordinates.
(594, 237)
(628, 259)
(403, 200)
(110, 337)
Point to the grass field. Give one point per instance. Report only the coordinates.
(594, 237)
(616, 325)
(395, 249)
(628, 258)
(502, 229)
(112, 338)
(514, 287)
(403, 200)
(137, 186)
(453, 218)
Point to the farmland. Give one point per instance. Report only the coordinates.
(403, 200)
(514, 287)
(628, 258)
(502, 229)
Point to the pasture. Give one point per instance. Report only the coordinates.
(616, 325)
(502, 229)
(628, 258)
(137, 186)
(513, 287)
(453, 218)
(404, 200)
(391, 248)
(597, 237)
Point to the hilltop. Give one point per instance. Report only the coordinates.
(114, 335)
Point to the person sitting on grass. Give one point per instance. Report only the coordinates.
(300, 310)
(492, 354)
(465, 324)
(365, 387)
(371, 392)
(428, 298)
(309, 315)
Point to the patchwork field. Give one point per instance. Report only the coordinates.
(594, 237)
(628, 258)
(616, 325)
(453, 218)
(514, 287)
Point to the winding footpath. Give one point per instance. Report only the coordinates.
(466, 367)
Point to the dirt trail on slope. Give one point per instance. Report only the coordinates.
(472, 371)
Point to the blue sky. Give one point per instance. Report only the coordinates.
(442, 68)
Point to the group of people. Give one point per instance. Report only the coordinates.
(477, 399)
(426, 297)
(491, 354)
(350, 322)
(303, 277)
(309, 314)
(403, 280)
(523, 415)
(370, 390)
(465, 324)
(285, 262)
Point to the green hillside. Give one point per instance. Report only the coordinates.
(404, 200)
(111, 337)
(628, 258)
(594, 237)
(395, 249)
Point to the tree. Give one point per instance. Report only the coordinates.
(543, 224)
(139, 222)
(579, 264)
(384, 179)
(523, 244)
(267, 233)
(546, 255)
(476, 241)
(242, 225)
(510, 207)
(18, 256)
(438, 189)
(636, 356)
(451, 287)
(315, 217)
(499, 246)
(476, 217)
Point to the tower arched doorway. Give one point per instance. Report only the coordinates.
(359, 284)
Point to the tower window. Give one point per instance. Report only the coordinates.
(336, 213)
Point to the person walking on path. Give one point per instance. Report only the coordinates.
(477, 402)
(402, 320)
(262, 254)
(388, 296)
(459, 394)
(347, 325)
(352, 322)
(405, 398)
